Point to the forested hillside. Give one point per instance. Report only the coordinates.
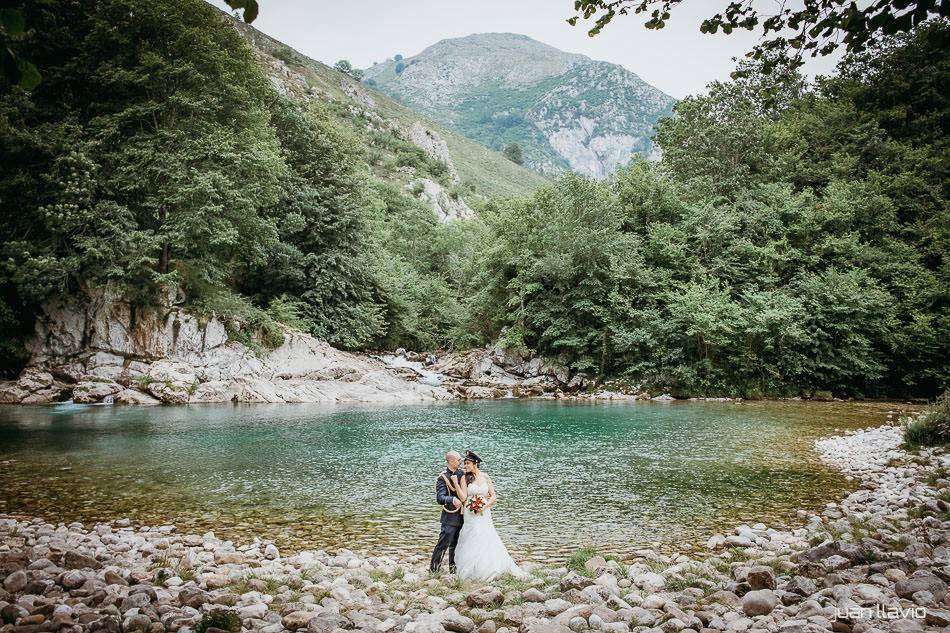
(789, 241)
(161, 153)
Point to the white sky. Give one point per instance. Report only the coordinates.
(677, 59)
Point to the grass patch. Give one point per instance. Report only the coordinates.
(578, 560)
(933, 427)
(938, 473)
(223, 619)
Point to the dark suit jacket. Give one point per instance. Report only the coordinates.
(444, 495)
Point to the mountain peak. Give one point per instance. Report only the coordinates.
(566, 111)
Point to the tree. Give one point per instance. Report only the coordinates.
(513, 153)
(819, 26)
(345, 67)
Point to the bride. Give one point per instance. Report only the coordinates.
(480, 554)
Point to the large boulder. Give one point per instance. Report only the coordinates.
(133, 397)
(485, 597)
(761, 577)
(759, 602)
(921, 580)
(95, 390)
(171, 381)
(541, 625)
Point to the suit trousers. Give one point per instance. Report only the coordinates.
(448, 539)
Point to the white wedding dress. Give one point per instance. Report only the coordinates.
(480, 554)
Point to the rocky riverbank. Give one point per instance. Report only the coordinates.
(877, 561)
(96, 347)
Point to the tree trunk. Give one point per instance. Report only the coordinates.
(165, 255)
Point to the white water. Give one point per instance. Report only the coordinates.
(426, 377)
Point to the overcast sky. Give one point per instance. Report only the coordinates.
(677, 59)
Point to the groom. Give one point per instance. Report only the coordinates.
(447, 496)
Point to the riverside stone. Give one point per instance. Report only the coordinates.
(761, 577)
(759, 602)
(921, 580)
(15, 582)
(485, 597)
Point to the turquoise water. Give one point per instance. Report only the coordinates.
(617, 476)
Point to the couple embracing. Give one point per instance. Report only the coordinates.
(466, 494)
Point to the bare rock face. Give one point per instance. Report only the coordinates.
(99, 347)
(446, 207)
(498, 371)
(432, 143)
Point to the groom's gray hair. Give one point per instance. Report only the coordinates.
(454, 454)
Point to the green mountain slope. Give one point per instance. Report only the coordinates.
(566, 111)
(376, 118)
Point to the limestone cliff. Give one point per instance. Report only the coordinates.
(98, 347)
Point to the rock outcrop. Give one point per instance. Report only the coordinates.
(99, 347)
(497, 372)
(446, 206)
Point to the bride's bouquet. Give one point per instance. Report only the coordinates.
(476, 503)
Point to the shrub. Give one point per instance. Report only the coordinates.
(223, 619)
(931, 428)
(287, 55)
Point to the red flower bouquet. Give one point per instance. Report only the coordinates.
(476, 503)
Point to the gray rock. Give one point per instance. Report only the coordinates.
(532, 595)
(88, 392)
(15, 582)
(78, 560)
(801, 585)
(905, 625)
(488, 626)
(424, 623)
(326, 622)
(921, 580)
(836, 562)
(759, 602)
(297, 620)
(485, 597)
(556, 606)
(71, 580)
(761, 577)
(540, 625)
(595, 563)
(938, 617)
(726, 598)
(574, 581)
(452, 620)
(137, 622)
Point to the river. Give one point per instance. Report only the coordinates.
(618, 476)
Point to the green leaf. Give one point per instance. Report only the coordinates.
(30, 76)
(12, 22)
